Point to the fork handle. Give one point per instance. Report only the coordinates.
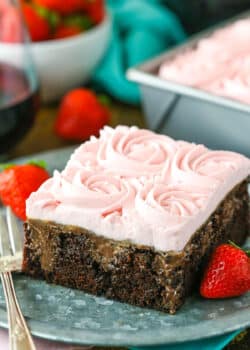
(19, 335)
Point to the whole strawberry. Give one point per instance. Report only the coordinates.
(81, 115)
(227, 274)
(16, 184)
(38, 26)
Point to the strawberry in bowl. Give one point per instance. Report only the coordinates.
(68, 18)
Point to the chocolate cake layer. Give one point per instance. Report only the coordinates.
(139, 275)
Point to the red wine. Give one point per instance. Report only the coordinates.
(18, 105)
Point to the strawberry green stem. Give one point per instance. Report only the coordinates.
(51, 16)
(247, 251)
(104, 100)
(5, 166)
(37, 162)
(234, 244)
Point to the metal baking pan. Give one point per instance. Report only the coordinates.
(187, 113)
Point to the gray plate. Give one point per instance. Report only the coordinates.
(72, 316)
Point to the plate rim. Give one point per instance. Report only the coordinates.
(92, 337)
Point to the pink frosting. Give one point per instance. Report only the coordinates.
(219, 64)
(132, 184)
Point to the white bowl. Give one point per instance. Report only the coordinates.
(67, 63)
(61, 64)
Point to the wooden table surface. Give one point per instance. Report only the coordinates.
(42, 137)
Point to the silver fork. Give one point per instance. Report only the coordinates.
(10, 260)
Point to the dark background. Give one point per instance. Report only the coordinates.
(199, 14)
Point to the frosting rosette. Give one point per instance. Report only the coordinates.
(104, 194)
(133, 152)
(85, 156)
(195, 164)
(170, 205)
(88, 191)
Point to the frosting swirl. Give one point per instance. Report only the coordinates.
(171, 205)
(134, 153)
(104, 195)
(197, 164)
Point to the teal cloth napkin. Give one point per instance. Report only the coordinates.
(141, 30)
(216, 343)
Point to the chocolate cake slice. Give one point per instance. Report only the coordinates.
(135, 215)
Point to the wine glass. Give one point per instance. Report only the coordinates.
(18, 79)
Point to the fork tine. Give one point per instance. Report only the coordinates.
(4, 238)
(14, 232)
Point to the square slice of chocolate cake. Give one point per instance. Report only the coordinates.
(134, 216)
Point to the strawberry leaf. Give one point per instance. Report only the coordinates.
(104, 100)
(247, 251)
(5, 166)
(51, 16)
(82, 21)
(234, 245)
(38, 162)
